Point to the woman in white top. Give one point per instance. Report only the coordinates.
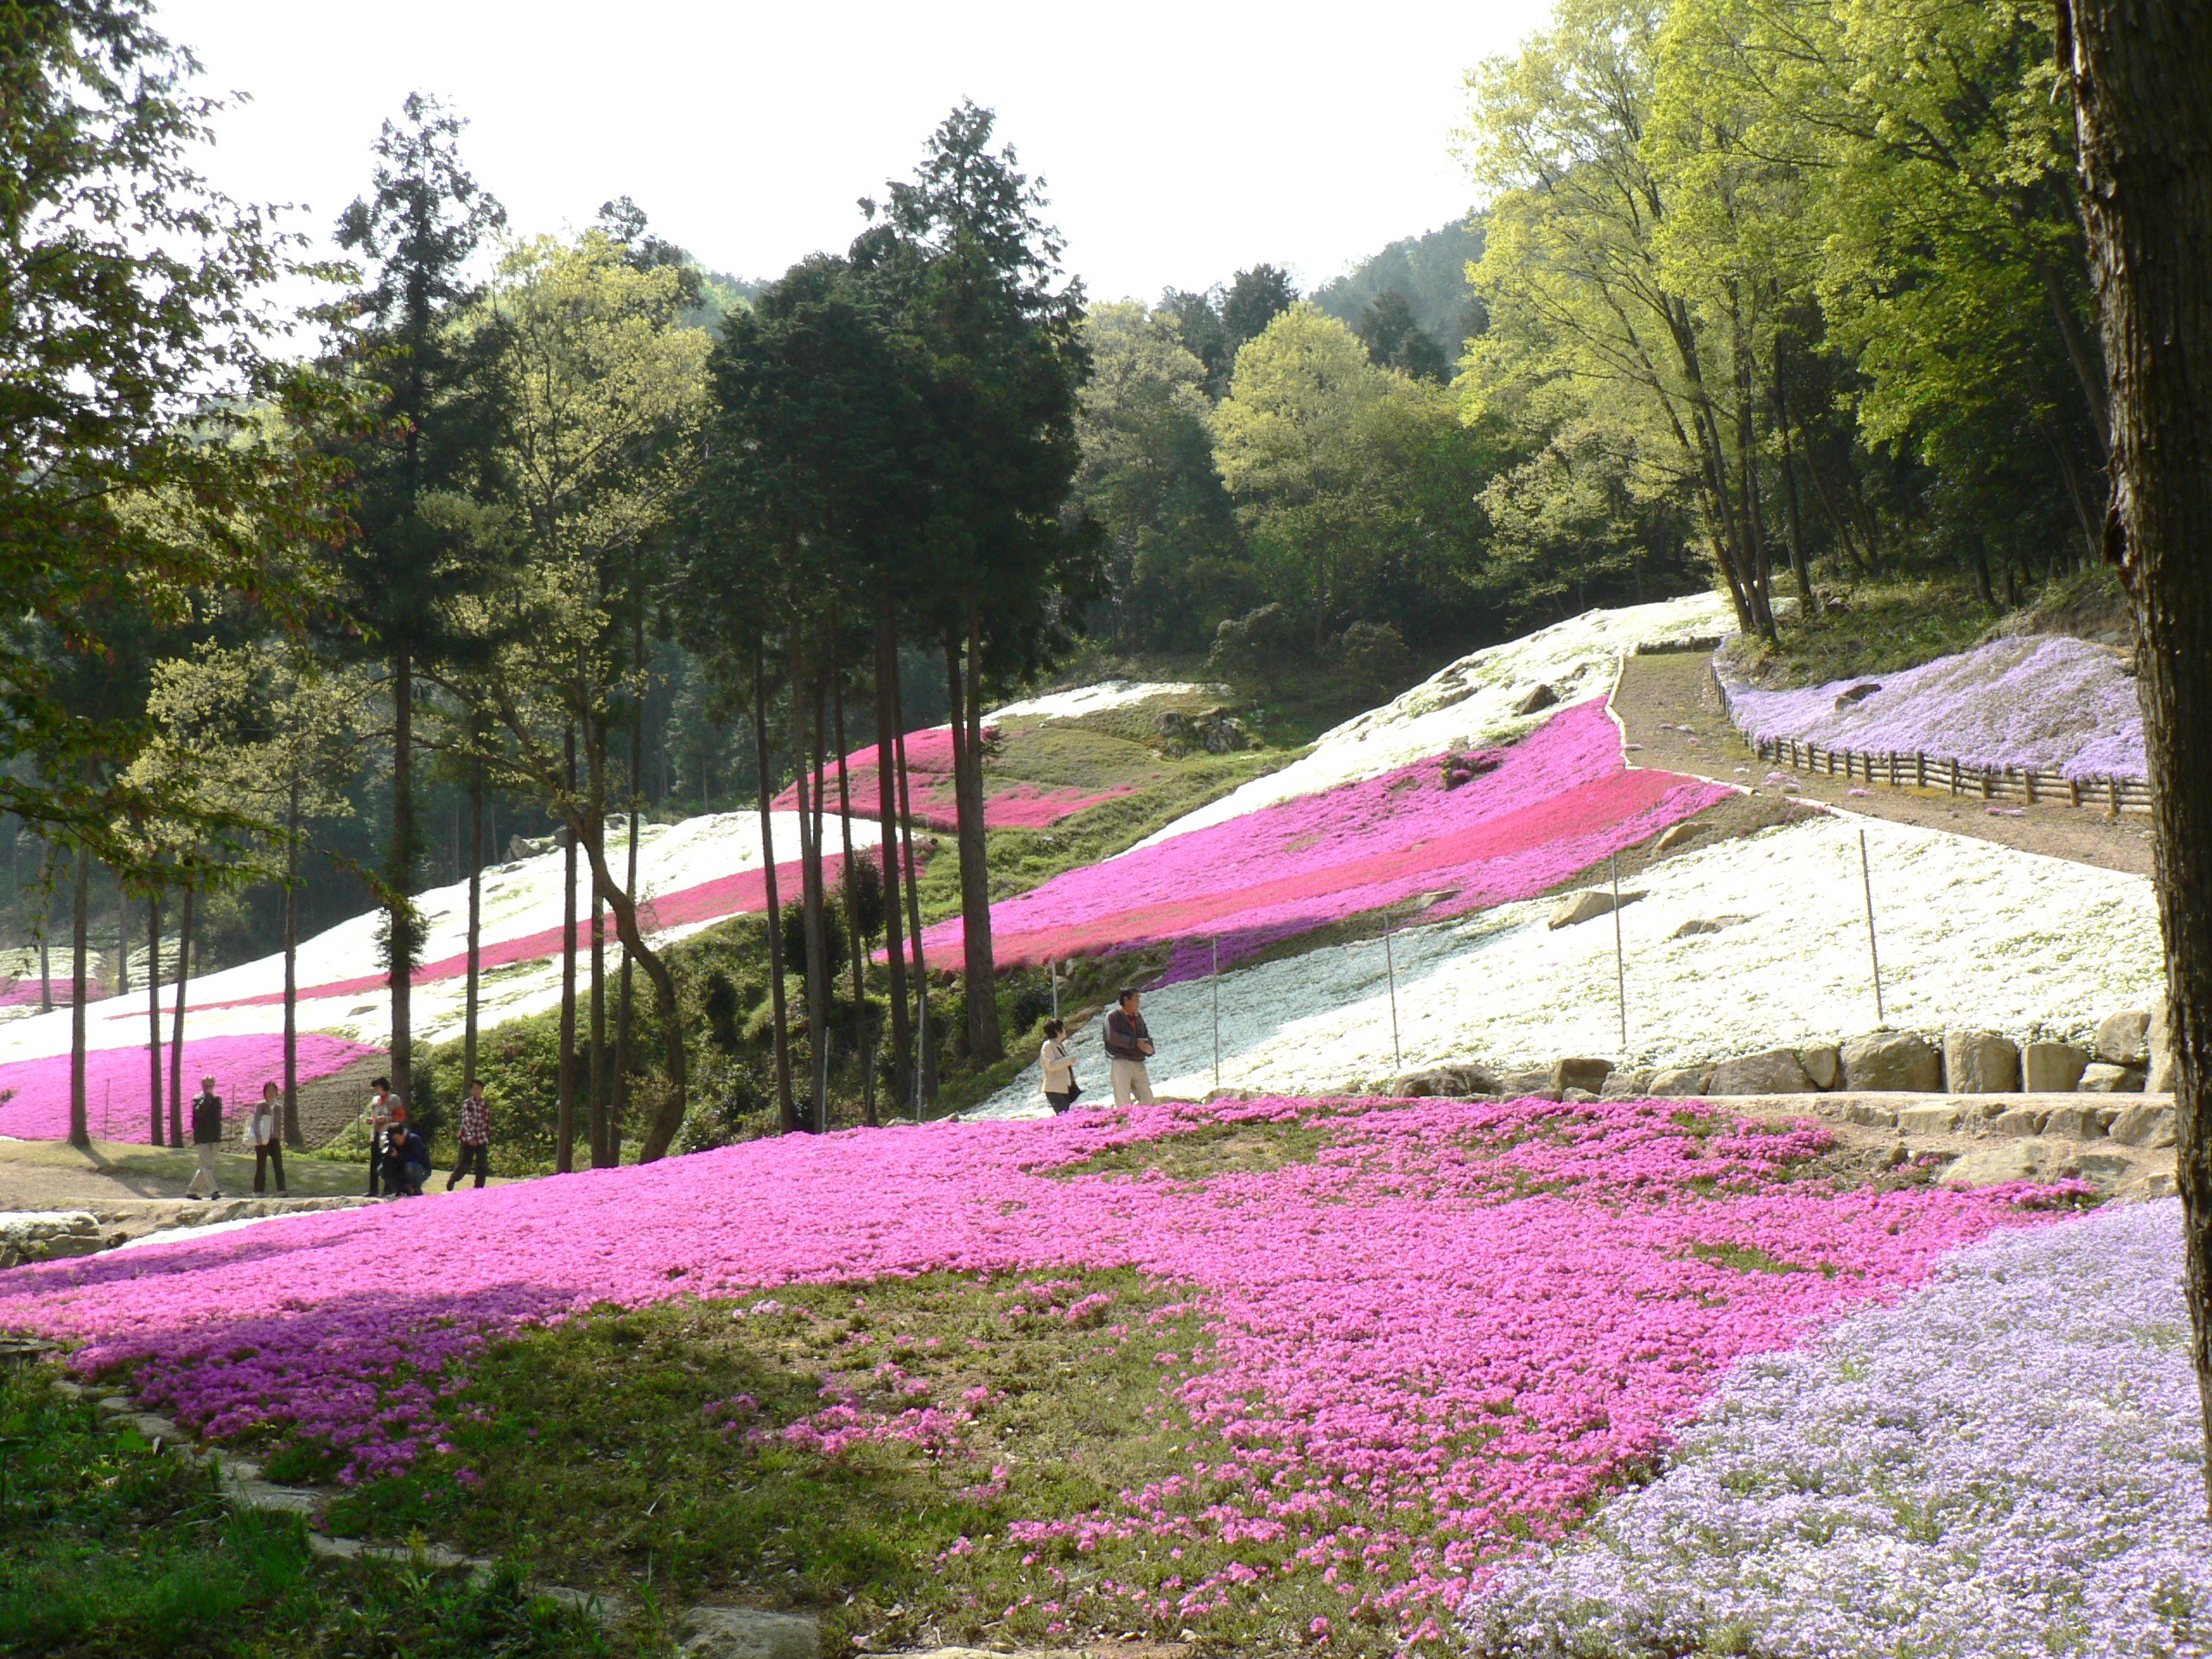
(1057, 1060)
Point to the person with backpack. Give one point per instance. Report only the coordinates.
(265, 1133)
(1129, 1046)
(475, 1136)
(206, 1139)
(1056, 1061)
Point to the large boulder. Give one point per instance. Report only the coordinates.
(2144, 1126)
(708, 1632)
(2021, 1120)
(1939, 1118)
(1589, 903)
(1698, 925)
(1535, 698)
(48, 1235)
(1770, 1071)
(2124, 1039)
(1675, 1082)
(1678, 834)
(1458, 1080)
(2012, 1160)
(2159, 1079)
(1626, 1085)
(1865, 1114)
(2078, 1122)
(1981, 1063)
(2052, 1068)
(1892, 1059)
(1823, 1063)
(1578, 1072)
(2105, 1079)
(1517, 1085)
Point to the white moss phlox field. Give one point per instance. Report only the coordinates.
(1095, 699)
(1471, 703)
(1971, 933)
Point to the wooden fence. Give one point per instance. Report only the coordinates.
(1920, 771)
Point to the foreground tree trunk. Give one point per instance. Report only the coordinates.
(176, 1020)
(925, 1049)
(963, 686)
(603, 1151)
(476, 922)
(565, 1153)
(399, 921)
(293, 1138)
(817, 965)
(863, 1049)
(623, 1013)
(154, 1015)
(80, 1129)
(2142, 83)
(886, 787)
(786, 1119)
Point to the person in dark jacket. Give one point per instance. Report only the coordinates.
(407, 1162)
(1128, 1050)
(206, 1137)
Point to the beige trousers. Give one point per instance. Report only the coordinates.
(205, 1175)
(1131, 1080)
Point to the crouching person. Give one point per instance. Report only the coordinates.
(407, 1162)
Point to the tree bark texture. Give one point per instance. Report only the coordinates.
(476, 922)
(926, 1050)
(80, 1130)
(400, 914)
(293, 1138)
(786, 1118)
(564, 1155)
(964, 685)
(2141, 72)
(176, 1021)
(154, 1015)
(809, 881)
(886, 787)
(604, 1152)
(863, 1051)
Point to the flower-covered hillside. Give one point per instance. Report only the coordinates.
(1475, 702)
(1972, 934)
(2046, 702)
(1432, 1330)
(1505, 824)
(691, 874)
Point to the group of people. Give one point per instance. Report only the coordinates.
(1128, 1052)
(399, 1158)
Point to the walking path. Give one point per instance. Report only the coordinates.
(1669, 708)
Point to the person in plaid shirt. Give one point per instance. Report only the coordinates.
(475, 1136)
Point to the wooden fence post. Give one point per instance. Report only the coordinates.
(1920, 768)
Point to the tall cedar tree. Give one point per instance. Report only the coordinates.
(2142, 83)
(974, 269)
(431, 437)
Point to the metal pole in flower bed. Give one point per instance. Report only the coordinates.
(1054, 968)
(1390, 968)
(1217, 1014)
(1620, 957)
(1873, 952)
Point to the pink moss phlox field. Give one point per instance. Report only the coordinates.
(1558, 801)
(16, 993)
(2045, 703)
(116, 1080)
(1449, 1330)
(1007, 803)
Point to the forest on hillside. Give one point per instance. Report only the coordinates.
(514, 532)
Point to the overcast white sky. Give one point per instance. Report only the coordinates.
(1179, 141)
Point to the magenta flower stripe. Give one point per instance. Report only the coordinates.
(1008, 804)
(1557, 802)
(1463, 1318)
(37, 1106)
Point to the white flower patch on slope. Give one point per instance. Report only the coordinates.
(1092, 699)
(1470, 703)
(519, 899)
(1970, 934)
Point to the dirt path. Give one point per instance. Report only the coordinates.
(116, 1179)
(1670, 708)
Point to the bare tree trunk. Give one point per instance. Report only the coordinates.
(80, 1130)
(962, 685)
(624, 1014)
(926, 1050)
(2142, 82)
(176, 1019)
(786, 1118)
(154, 1014)
(810, 872)
(863, 1049)
(564, 1154)
(475, 923)
(400, 909)
(122, 986)
(293, 1137)
(886, 790)
(603, 1152)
